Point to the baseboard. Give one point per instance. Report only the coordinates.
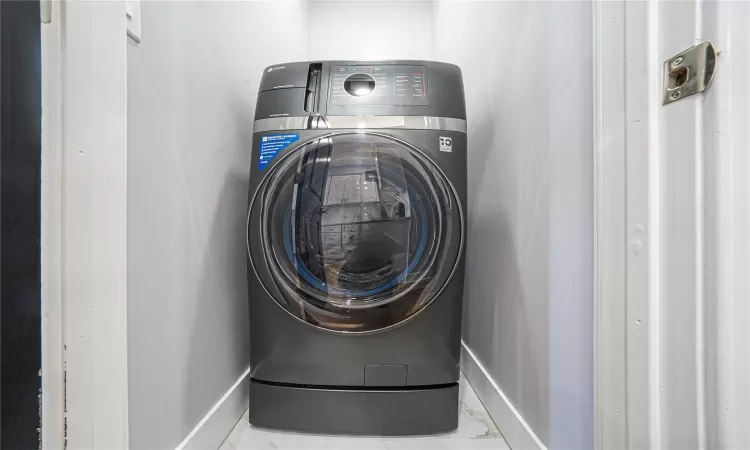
(517, 433)
(219, 421)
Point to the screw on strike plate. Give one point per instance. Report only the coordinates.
(689, 72)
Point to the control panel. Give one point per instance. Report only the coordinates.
(387, 85)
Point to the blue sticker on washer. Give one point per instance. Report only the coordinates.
(271, 145)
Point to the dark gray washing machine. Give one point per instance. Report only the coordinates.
(355, 239)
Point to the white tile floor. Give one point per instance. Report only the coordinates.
(476, 431)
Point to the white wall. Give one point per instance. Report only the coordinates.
(370, 29)
(527, 70)
(192, 85)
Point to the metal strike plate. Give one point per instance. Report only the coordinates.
(689, 72)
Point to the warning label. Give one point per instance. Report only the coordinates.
(271, 145)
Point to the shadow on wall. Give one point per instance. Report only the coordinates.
(223, 293)
(482, 145)
(504, 295)
(223, 308)
(525, 370)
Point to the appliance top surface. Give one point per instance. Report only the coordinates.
(421, 62)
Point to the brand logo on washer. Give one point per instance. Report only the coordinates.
(446, 144)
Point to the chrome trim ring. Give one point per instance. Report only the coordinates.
(363, 122)
(281, 123)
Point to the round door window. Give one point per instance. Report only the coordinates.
(359, 231)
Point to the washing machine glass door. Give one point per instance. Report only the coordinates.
(359, 231)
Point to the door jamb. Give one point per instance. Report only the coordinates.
(84, 226)
(626, 213)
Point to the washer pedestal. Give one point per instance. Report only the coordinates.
(365, 411)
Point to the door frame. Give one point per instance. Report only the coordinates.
(670, 209)
(53, 365)
(627, 229)
(84, 225)
(610, 209)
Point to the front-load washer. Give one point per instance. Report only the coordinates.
(355, 238)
